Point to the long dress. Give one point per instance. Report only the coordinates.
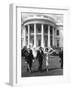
(34, 53)
(46, 58)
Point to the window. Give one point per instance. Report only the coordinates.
(57, 32)
(46, 40)
(31, 28)
(32, 34)
(26, 40)
(38, 40)
(51, 40)
(46, 29)
(38, 27)
(57, 43)
(32, 39)
(51, 30)
(51, 36)
(26, 29)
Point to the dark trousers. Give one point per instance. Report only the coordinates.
(62, 63)
(40, 65)
(30, 64)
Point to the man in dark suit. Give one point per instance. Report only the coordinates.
(24, 50)
(40, 55)
(30, 58)
(61, 56)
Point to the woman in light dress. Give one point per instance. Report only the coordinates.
(34, 53)
(46, 58)
(48, 51)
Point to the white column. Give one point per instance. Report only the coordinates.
(34, 35)
(42, 37)
(22, 38)
(28, 35)
(48, 36)
(53, 36)
(24, 35)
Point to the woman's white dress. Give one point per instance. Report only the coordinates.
(46, 56)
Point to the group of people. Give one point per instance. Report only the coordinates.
(31, 54)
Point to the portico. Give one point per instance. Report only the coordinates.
(38, 31)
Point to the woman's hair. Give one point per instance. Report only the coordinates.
(46, 49)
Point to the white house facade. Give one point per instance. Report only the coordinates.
(41, 30)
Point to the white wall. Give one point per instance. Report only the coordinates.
(4, 42)
(60, 36)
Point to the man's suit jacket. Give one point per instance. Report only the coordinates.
(40, 55)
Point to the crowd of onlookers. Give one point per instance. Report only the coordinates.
(32, 54)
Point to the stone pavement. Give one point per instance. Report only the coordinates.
(54, 67)
(51, 72)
